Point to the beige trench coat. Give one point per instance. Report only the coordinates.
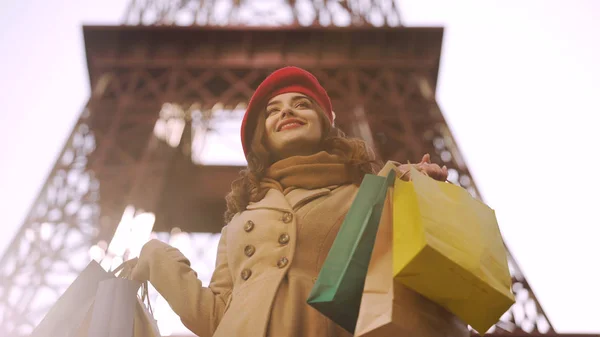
(268, 259)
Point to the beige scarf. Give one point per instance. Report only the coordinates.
(320, 170)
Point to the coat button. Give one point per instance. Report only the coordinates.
(246, 273)
(287, 217)
(249, 226)
(282, 262)
(284, 238)
(249, 250)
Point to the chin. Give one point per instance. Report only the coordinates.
(298, 146)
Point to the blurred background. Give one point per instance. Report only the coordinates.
(517, 87)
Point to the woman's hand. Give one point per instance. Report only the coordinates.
(126, 269)
(426, 166)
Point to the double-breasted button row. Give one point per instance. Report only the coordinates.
(284, 239)
(249, 250)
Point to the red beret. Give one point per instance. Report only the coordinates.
(284, 80)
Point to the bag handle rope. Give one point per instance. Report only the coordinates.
(124, 270)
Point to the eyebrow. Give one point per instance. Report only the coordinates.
(295, 98)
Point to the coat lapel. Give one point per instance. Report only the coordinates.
(274, 199)
(295, 199)
(299, 197)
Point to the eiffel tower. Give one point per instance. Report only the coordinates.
(173, 79)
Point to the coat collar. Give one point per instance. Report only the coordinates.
(295, 199)
(274, 199)
(299, 197)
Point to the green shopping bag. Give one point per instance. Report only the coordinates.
(338, 290)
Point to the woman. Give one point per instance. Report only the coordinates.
(283, 214)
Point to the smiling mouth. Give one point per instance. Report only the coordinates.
(291, 125)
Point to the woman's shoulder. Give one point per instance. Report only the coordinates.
(345, 189)
(338, 199)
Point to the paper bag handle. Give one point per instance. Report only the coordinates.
(146, 298)
(126, 269)
(400, 174)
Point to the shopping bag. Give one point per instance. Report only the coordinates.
(390, 309)
(448, 247)
(68, 313)
(144, 324)
(338, 288)
(71, 315)
(119, 312)
(114, 309)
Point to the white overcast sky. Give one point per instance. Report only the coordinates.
(518, 85)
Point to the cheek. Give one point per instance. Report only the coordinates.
(270, 124)
(318, 127)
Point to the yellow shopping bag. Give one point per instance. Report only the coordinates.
(390, 309)
(448, 248)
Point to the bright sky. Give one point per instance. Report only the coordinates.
(518, 86)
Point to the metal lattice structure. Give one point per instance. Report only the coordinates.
(381, 81)
(264, 13)
(52, 246)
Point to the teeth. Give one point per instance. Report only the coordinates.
(287, 126)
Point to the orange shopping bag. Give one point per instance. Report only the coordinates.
(390, 309)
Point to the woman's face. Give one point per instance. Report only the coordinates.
(293, 127)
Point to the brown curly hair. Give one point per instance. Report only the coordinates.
(353, 151)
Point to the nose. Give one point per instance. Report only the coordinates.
(286, 112)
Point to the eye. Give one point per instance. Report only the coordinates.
(272, 111)
(303, 104)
